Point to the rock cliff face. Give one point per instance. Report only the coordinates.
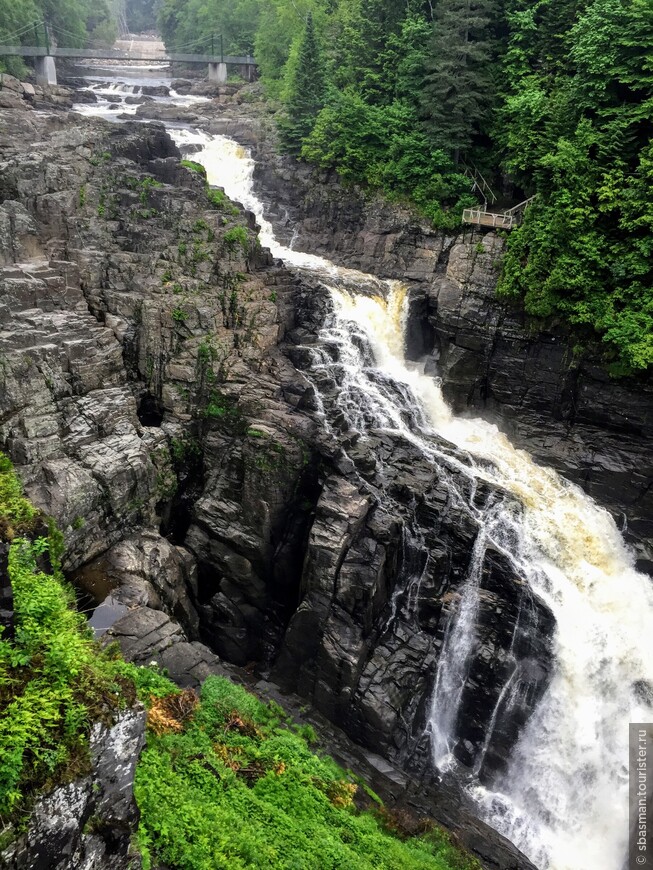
(492, 359)
(87, 823)
(159, 397)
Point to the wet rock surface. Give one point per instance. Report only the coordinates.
(158, 397)
(560, 406)
(493, 361)
(87, 823)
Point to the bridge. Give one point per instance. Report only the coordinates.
(46, 71)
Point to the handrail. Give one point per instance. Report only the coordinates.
(505, 220)
(113, 54)
(482, 185)
(520, 206)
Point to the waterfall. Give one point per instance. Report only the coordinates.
(563, 799)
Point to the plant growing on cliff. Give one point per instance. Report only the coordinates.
(194, 167)
(230, 784)
(54, 680)
(235, 238)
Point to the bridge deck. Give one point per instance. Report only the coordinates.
(113, 54)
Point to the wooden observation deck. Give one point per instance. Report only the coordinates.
(481, 217)
(505, 220)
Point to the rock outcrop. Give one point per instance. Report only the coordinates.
(551, 398)
(89, 822)
(159, 398)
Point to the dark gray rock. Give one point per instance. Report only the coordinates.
(560, 406)
(89, 822)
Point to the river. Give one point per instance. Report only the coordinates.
(564, 797)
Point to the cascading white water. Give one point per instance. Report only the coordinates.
(563, 800)
(111, 94)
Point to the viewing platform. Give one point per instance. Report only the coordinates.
(504, 220)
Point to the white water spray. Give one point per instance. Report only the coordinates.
(564, 798)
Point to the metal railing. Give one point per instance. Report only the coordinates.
(505, 220)
(113, 54)
(487, 218)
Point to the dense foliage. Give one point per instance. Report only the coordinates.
(209, 25)
(229, 783)
(225, 781)
(306, 92)
(54, 681)
(140, 15)
(546, 97)
(576, 128)
(73, 23)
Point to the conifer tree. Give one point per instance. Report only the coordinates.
(457, 91)
(306, 92)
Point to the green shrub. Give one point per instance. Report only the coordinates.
(54, 680)
(17, 514)
(235, 238)
(235, 788)
(194, 167)
(216, 196)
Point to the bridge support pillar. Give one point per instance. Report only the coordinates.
(218, 73)
(248, 72)
(46, 71)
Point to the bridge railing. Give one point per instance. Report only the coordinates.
(114, 54)
(483, 218)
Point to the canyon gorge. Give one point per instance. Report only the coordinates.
(290, 433)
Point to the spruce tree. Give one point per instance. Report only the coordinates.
(306, 92)
(457, 93)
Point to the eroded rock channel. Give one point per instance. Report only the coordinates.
(248, 470)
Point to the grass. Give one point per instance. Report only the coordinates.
(235, 238)
(17, 514)
(226, 782)
(194, 167)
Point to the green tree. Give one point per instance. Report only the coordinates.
(196, 25)
(457, 93)
(306, 92)
(141, 15)
(585, 252)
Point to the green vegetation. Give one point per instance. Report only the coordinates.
(54, 680)
(141, 15)
(74, 23)
(224, 781)
(197, 25)
(17, 514)
(577, 130)
(216, 196)
(194, 167)
(235, 238)
(217, 407)
(306, 92)
(228, 783)
(542, 97)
